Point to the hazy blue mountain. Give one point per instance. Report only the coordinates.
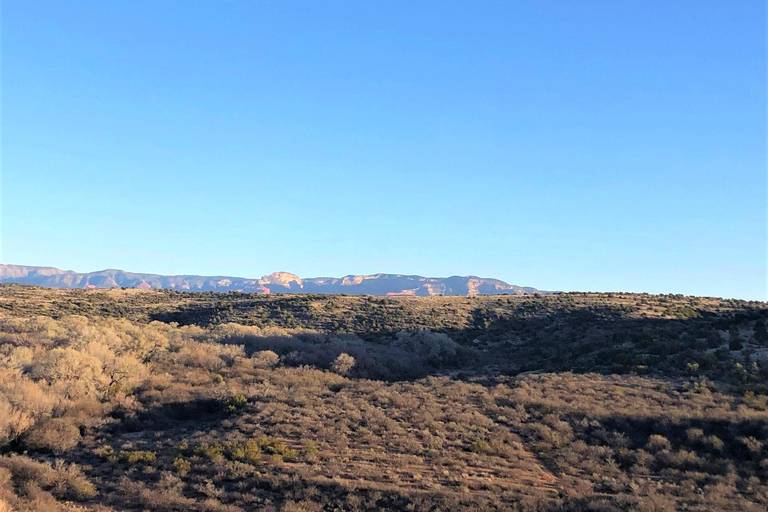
(278, 282)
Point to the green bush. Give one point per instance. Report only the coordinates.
(480, 446)
(210, 450)
(248, 452)
(137, 456)
(276, 448)
(236, 403)
(182, 465)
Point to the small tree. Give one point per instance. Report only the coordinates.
(657, 443)
(735, 339)
(343, 364)
(714, 340)
(760, 332)
(265, 359)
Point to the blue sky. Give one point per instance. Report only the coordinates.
(564, 145)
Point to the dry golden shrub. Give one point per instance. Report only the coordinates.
(56, 435)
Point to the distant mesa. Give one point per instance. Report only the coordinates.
(278, 282)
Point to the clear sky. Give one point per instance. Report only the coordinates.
(591, 145)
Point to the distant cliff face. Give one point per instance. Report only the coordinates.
(279, 282)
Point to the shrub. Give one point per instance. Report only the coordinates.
(714, 339)
(66, 481)
(212, 451)
(437, 348)
(713, 443)
(309, 449)
(137, 456)
(657, 443)
(274, 447)
(265, 359)
(106, 453)
(682, 459)
(754, 446)
(480, 446)
(759, 402)
(694, 435)
(760, 333)
(734, 338)
(236, 403)
(343, 364)
(57, 435)
(248, 452)
(182, 466)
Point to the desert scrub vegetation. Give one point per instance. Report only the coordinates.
(126, 400)
(581, 332)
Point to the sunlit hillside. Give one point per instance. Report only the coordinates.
(119, 400)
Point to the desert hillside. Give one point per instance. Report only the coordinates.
(133, 400)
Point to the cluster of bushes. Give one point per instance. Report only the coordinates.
(30, 485)
(251, 451)
(404, 355)
(58, 377)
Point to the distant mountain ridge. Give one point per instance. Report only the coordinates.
(278, 282)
